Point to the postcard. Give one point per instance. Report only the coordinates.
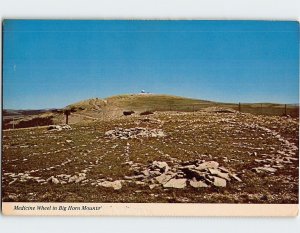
(150, 117)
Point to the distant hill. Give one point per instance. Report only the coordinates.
(15, 112)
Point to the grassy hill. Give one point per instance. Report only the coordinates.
(138, 102)
(159, 102)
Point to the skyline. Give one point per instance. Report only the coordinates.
(54, 63)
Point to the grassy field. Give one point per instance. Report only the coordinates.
(240, 143)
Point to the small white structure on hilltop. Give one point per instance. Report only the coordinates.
(143, 92)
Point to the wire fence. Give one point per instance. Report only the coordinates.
(257, 109)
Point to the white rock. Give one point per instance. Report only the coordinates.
(198, 184)
(176, 183)
(235, 177)
(152, 186)
(163, 178)
(161, 165)
(219, 182)
(116, 185)
(267, 169)
(206, 165)
(54, 180)
(218, 173)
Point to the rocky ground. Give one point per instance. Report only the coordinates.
(210, 156)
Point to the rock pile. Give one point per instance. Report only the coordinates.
(198, 174)
(137, 132)
(59, 127)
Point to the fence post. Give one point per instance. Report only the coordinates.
(239, 107)
(67, 113)
(285, 112)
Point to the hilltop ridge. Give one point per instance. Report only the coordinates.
(136, 102)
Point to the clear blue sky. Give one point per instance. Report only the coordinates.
(55, 63)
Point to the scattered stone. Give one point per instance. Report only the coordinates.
(77, 178)
(266, 169)
(59, 127)
(13, 196)
(137, 132)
